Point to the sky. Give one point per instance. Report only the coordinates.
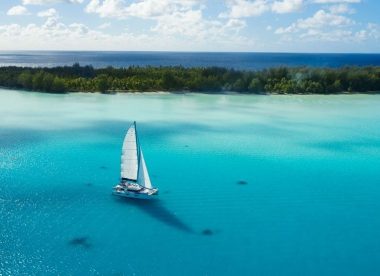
(334, 26)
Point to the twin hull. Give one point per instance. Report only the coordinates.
(136, 195)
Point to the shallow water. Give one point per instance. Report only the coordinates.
(249, 185)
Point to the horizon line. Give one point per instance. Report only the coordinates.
(196, 52)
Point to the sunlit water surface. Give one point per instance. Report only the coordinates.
(249, 185)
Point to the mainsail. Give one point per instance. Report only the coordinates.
(130, 155)
(143, 177)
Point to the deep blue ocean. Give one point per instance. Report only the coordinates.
(249, 61)
(249, 185)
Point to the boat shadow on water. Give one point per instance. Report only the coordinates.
(156, 209)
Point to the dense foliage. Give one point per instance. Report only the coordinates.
(283, 80)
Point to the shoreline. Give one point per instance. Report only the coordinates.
(158, 92)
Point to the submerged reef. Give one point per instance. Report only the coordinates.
(80, 241)
(207, 232)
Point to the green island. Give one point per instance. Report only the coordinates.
(281, 80)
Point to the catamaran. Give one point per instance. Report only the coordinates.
(134, 181)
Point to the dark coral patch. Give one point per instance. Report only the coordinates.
(80, 241)
(207, 232)
(242, 182)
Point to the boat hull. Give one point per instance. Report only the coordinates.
(136, 195)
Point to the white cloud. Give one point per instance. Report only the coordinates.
(49, 2)
(104, 26)
(142, 9)
(191, 26)
(285, 30)
(330, 36)
(53, 34)
(236, 24)
(329, 27)
(286, 6)
(78, 29)
(107, 8)
(250, 8)
(245, 8)
(372, 31)
(187, 23)
(48, 13)
(151, 8)
(17, 10)
(186, 30)
(173, 18)
(341, 8)
(321, 19)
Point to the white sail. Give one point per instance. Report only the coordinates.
(143, 178)
(129, 155)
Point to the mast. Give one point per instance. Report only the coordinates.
(143, 178)
(138, 149)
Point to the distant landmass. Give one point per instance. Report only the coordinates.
(280, 80)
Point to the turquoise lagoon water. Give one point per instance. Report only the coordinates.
(308, 202)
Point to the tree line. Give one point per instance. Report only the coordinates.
(282, 80)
